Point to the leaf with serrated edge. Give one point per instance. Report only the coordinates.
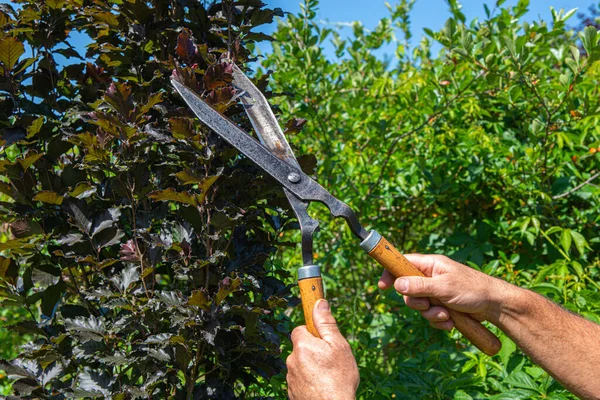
(10, 51)
(46, 196)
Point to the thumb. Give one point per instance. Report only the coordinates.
(416, 286)
(325, 323)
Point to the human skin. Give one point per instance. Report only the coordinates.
(321, 368)
(564, 344)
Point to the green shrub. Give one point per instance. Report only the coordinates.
(485, 151)
(138, 243)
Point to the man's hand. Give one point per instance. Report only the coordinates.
(564, 344)
(457, 286)
(321, 368)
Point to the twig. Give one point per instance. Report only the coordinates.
(576, 188)
(431, 118)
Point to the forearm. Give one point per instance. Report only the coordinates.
(564, 344)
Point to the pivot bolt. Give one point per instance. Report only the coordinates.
(294, 177)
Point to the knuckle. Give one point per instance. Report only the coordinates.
(302, 348)
(441, 258)
(290, 362)
(344, 345)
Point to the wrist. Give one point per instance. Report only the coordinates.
(505, 301)
(511, 302)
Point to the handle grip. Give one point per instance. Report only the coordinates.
(311, 290)
(390, 258)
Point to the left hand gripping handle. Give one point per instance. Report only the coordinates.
(311, 290)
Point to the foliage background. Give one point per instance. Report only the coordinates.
(478, 152)
(135, 247)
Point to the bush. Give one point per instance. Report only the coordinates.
(485, 151)
(138, 243)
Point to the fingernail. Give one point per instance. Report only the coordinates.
(323, 305)
(402, 285)
(441, 316)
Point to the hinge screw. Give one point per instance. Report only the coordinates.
(294, 177)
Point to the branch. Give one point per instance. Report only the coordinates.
(431, 118)
(576, 188)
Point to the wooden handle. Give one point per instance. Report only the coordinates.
(311, 290)
(391, 259)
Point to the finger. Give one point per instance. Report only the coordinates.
(417, 303)
(386, 281)
(325, 323)
(424, 262)
(436, 314)
(446, 325)
(417, 286)
(301, 334)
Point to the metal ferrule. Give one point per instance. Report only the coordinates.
(370, 241)
(309, 271)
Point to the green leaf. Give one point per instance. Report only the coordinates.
(577, 267)
(171, 194)
(507, 349)
(553, 229)
(521, 380)
(205, 185)
(510, 44)
(181, 128)
(575, 52)
(466, 40)
(188, 177)
(565, 240)
(572, 64)
(226, 287)
(35, 127)
(525, 225)
(8, 269)
(83, 190)
(589, 39)
(47, 196)
(55, 4)
(199, 298)
(10, 51)
(569, 14)
(29, 160)
(153, 100)
(580, 243)
(536, 224)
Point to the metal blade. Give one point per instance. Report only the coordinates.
(263, 120)
(271, 136)
(289, 176)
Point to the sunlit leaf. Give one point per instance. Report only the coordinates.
(10, 51)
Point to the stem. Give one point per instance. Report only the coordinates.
(78, 291)
(576, 188)
(432, 118)
(566, 256)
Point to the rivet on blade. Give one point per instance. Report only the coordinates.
(293, 177)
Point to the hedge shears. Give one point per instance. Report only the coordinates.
(274, 155)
